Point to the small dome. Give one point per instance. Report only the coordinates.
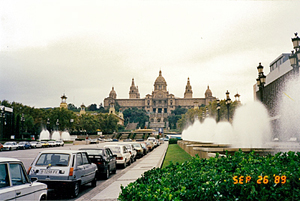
(208, 92)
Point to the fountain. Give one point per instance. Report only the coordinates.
(56, 135)
(65, 136)
(249, 131)
(44, 135)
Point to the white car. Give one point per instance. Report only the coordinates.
(35, 144)
(52, 143)
(123, 155)
(131, 150)
(10, 146)
(60, 143)
(64, 170)
(15, 184)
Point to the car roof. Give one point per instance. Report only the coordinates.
(61, 151)
(7, 159)
(114, 145)
(91, 148)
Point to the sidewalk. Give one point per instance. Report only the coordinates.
(151, 160)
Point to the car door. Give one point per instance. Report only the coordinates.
(6, 192)
(89, 167)
(109, 159)
(20, 182)
(113, 159)
(80, 170)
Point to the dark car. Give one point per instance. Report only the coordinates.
(24, 145)
(104, 159)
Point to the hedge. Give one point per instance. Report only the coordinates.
(238, 177)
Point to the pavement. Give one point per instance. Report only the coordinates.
(152, 160)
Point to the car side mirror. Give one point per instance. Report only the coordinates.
(33, 179)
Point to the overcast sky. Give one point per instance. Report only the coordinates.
(83, 48)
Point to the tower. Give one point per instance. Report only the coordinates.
(188, 90)
(82, 109)
(134, 90)
(63, 103)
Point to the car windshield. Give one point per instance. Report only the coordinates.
(115, 149)
(137, 145)
(21, 142)
(8, 143)
(53, 159)
(94, 151)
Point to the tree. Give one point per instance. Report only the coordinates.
(108, 123)
(175, 116)
(135, 115)
(92, 107)
(73, 108)
(189, 117)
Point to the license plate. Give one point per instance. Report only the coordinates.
(49, 171)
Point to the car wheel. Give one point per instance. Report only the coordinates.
(124, 165)
(129, 162)
(76, 188)
(115, 169)
(94, 182)
(106, 174)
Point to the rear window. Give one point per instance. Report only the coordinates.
(115, 149)
(94, 152)
(55, 159)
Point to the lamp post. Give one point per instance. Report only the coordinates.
(22, 124)
(228, 101)
(295, 56)
(48, 125)
(218, 109)
(261, 80)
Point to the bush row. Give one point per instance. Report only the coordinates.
(238, 177)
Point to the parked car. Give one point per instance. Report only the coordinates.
(24, 145)
(1, 147)
(15, 184)
(35, 144)
(149, 145)
(52, 143)
(139, 149)
(45, 144)
(145, 148)
(131, 150)
(105, 160)
(64, 170)
(94, 141)
(60, 143)
(123, 155)
(152, 139)
(10, 146)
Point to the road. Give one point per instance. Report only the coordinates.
(28, 155)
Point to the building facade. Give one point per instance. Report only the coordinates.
(160, 103)
(280, 72)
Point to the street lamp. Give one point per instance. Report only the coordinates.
(218, 109)
(22, 124)
(261, 80)
(228, 101)
(295, 56)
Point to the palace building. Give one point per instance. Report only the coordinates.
(160, 103)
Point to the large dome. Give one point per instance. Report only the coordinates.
(160, 80)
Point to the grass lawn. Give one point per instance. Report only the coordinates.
(175, 154)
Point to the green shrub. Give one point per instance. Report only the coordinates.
(212, 179)
(173, 141)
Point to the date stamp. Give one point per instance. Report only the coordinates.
(276, 179)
